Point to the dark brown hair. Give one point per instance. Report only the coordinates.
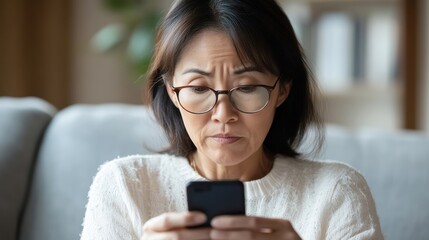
(262, 35)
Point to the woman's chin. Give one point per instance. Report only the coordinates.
(226, 159)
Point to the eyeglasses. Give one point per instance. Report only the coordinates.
(245, 98)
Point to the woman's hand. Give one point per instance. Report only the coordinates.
(173, 225)
(245, 227)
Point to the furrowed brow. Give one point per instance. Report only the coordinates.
(196, 70)
(248, 69)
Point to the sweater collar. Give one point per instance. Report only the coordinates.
(253, 189)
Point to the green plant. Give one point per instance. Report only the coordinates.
(133, 35)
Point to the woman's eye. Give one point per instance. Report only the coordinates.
(199, 90)
(247, 89)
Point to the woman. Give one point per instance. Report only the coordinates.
(229, 85)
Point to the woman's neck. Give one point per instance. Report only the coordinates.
(253, 168)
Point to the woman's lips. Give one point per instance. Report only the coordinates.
(225, 139)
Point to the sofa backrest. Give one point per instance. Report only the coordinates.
(22, 123)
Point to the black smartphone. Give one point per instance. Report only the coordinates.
(216, 198)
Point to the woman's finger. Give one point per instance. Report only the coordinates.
(246, 227)
(172, 220)
(187, 234)
(248, 222)
(252, 235)
(238, 234)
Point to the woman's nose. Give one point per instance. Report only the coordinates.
(223, 111)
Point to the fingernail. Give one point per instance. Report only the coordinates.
(199, 218)
(215, 222)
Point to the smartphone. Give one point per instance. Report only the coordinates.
(216, 198)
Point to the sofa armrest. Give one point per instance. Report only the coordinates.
(395, 165)
(22, 124)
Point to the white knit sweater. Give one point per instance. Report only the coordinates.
(323, 200)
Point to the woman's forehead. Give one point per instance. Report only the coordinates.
(208, 48)
(213, 47)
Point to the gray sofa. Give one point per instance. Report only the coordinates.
(48, 160)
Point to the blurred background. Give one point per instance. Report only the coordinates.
(371, 57)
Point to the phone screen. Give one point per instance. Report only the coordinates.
(216, 198)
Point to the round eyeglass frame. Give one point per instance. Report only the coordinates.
(227, 92)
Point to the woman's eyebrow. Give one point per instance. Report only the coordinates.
(248, 69)
(239, 71)
(196, 70)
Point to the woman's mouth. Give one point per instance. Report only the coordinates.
(225, 139)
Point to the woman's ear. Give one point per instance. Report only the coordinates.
(283, 93)
(171, 94)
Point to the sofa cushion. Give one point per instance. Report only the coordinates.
(22, 123)
(77, 142)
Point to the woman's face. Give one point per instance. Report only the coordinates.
(224, 135)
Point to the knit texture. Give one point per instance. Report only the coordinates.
(323, 200)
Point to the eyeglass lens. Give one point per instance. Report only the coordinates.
(248, 99)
